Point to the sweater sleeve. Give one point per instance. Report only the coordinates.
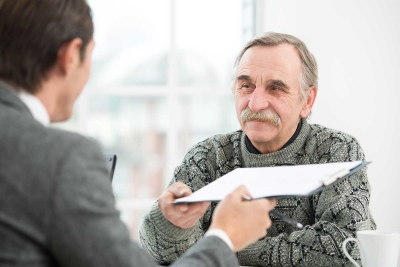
(339, 211)
(164, 241)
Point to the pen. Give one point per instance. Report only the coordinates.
(280, 215)
(286, 219)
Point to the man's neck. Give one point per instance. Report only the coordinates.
(48, 94)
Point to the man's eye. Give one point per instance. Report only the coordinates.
(274, 88)
(245, 86)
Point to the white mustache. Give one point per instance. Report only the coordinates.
(265, 115)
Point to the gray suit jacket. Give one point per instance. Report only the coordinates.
(56, 202)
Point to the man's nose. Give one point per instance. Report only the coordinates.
(258, 100)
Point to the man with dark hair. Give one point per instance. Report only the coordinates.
(57, 207)
(275, 88)
(58, 21)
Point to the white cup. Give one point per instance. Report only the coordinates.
(377, 248)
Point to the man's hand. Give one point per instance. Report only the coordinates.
(182, 215)
(244, 221)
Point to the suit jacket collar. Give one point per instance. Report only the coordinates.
(9, 98)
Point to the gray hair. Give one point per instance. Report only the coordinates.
(309, 73)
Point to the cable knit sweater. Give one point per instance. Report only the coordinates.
(329, 216)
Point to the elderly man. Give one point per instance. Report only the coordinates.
(275, 89)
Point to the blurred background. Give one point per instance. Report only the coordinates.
(161, 82)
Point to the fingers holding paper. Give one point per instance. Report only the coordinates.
(181, 215)
(244, 221)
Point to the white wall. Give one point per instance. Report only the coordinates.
(357, 47)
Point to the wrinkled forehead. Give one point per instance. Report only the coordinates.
(281, 58)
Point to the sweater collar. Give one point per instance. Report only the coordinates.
(252, 149)
(286, 154)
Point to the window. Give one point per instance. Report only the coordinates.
(160, 83)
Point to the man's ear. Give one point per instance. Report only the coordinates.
(312, 94)
(68, 56)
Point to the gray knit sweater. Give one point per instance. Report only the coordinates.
(329, 216)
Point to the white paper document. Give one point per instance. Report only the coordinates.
(280, 181)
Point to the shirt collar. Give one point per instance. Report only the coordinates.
(36, 107)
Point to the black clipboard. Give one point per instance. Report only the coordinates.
(332, 180)
(111, 160)
(327, 180)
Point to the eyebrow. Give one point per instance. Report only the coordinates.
(270, 82)
(243, 78)
(278, 83)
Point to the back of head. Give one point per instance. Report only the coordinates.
(309, 76)
(31, 33)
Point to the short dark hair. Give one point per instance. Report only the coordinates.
(31, 33)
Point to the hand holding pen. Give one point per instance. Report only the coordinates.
(280, 215)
